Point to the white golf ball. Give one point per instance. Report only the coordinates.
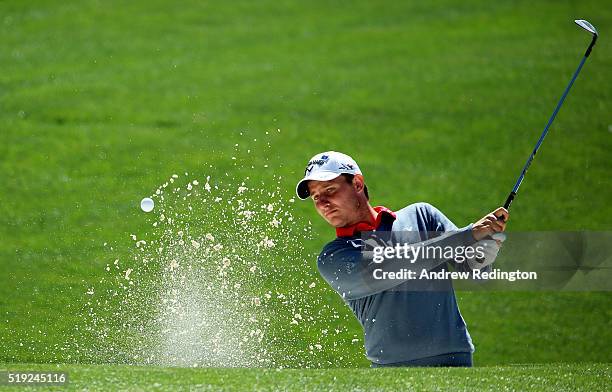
(147, 204)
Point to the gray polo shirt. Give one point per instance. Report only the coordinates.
(401, 323)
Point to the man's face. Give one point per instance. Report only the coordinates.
(336, 201)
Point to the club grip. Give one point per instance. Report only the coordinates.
(507, 205)
(509, 200)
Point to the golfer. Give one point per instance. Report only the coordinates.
(403, 326)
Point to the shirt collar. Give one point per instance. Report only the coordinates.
(383, 214)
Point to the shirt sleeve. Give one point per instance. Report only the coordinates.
(350, 271)
(441, 222)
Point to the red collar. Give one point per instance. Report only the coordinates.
(349, 231)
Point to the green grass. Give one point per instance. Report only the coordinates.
(574, 377)
(102, 102)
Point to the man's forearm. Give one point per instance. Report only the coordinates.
(351, 271)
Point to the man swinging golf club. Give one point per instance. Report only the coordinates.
(403, 325)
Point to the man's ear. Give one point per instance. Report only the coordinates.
(358, 183)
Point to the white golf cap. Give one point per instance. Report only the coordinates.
(325, 167)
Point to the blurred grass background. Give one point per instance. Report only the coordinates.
(100, 101)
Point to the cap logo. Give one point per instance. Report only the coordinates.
(347, 166)
(318, 162)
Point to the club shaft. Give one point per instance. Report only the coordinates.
(542, 136)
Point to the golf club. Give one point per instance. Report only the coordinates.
(591, 29)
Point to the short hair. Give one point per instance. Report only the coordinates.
(349, 179)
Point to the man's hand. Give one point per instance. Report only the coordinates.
(490, 224)
(490, 248)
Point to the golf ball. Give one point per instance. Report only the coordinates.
(147, 204)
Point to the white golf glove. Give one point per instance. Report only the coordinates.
(490, 247)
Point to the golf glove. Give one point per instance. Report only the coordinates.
(491, 248)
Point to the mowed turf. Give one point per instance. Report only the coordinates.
(102, 102)
(575, 377)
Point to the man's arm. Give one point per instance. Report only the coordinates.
(350, 271)
(479, 229)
